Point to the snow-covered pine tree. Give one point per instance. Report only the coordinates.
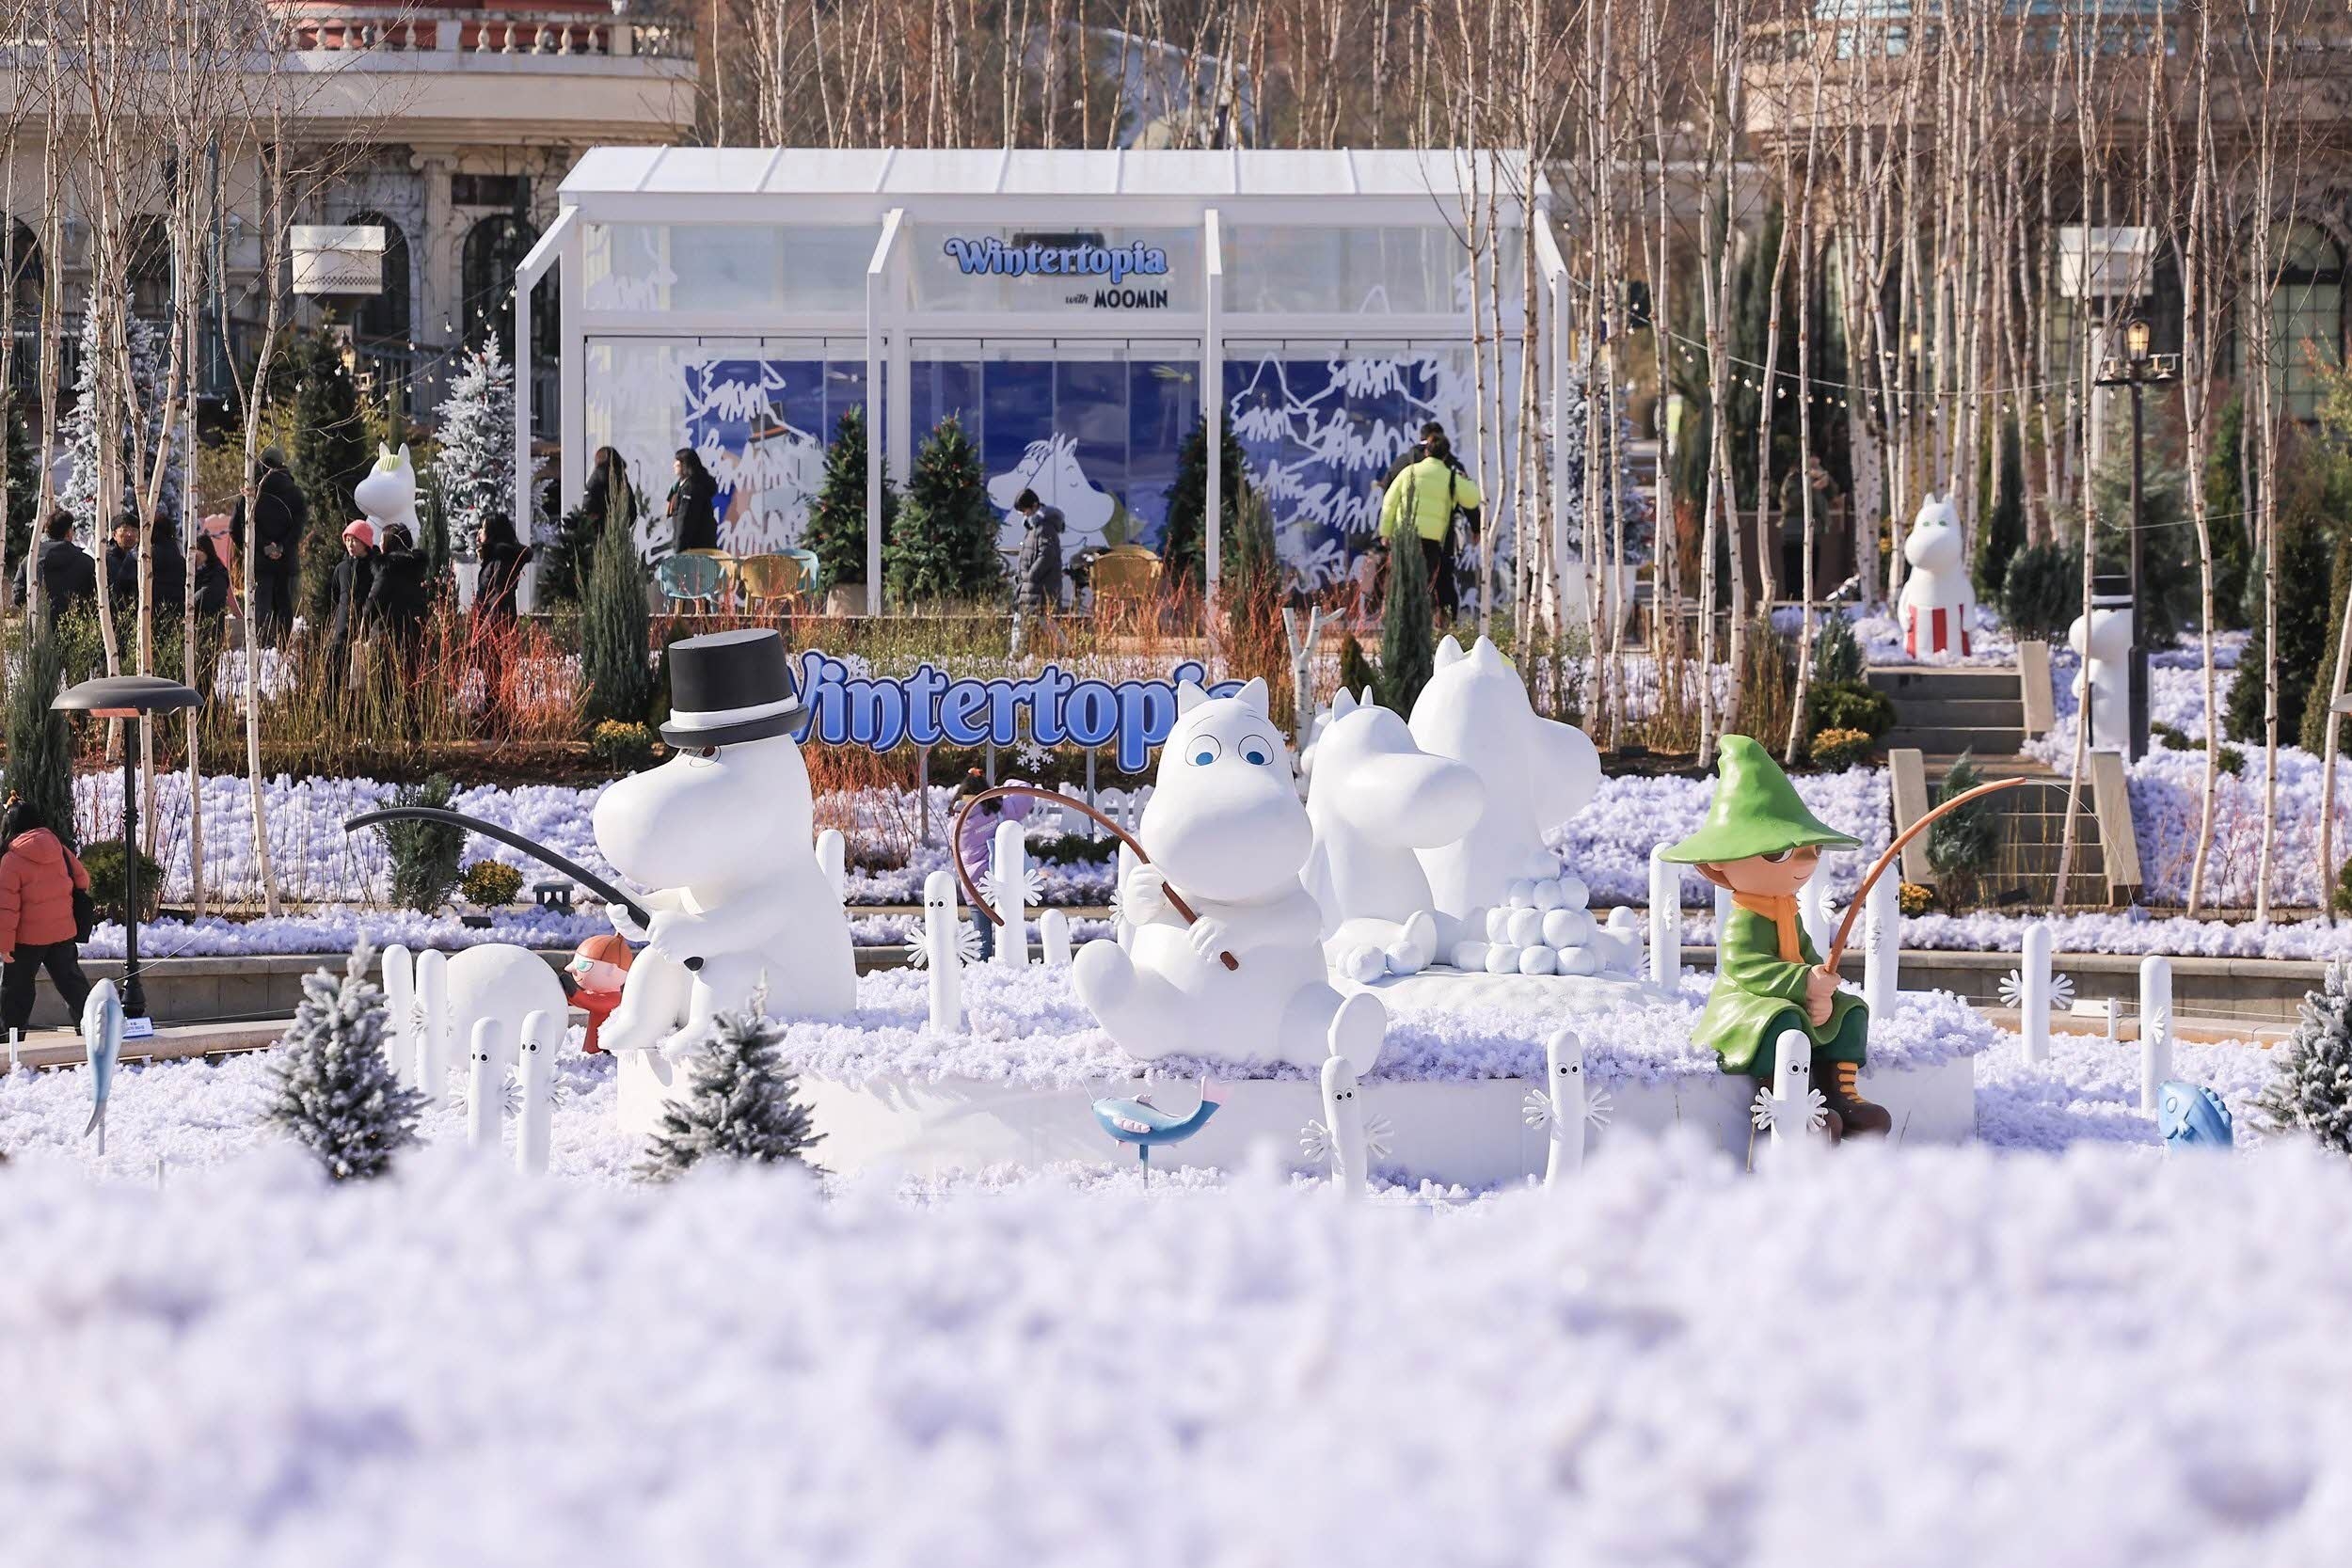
(79, 498)
(2312, 1089)
(1633, 508)
(476, 467)
(739, 1104)
(337, 1093)
(943, 544)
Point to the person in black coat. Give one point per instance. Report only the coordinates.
(398, 595)
(280, 516)
(213, 582)
(122, 566)
(355, 581)
(500, 581)
(607, 474)
(69, 577)
(694, 509)
(1037, 576)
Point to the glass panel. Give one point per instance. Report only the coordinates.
(1092, 271)
(759, 412)
(1094, 429)
(1418, 270)
(718, 266)
(1321, 424)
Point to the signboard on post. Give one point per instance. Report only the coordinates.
(337, 259)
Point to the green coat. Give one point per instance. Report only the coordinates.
(1752, 987)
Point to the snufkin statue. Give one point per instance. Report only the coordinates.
(1761, 843)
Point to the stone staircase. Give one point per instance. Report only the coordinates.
(1941, 713)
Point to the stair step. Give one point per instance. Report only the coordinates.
(1988, 713)
(1938, 764)
(1985, 741)
(1929, 680)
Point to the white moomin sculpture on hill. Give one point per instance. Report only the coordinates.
(387, 494)
(2105, 682)
(1375, 799)
(1938, 601)
(723, 833)
(1534, 774)
(1225, 830)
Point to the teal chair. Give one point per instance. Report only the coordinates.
(692, 580)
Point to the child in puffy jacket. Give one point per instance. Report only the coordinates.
(978, 844)
(38, 879)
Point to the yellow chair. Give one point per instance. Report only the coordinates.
(770, 579)
(1126, 574)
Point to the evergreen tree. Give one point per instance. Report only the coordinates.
(2168, 543)
(836, 521)
(2313, 731)
(2303, 561)
(1963, 844)
(2004, 532)
(2228, 520)
(1356, 671)
(738, 1103)
(79, 498)
(424, 854)
(41, 744)
(476, 467)
(943, 544)
(330, 457)
(337, 1093)
(23, 482)
(2312, 1089)
(1184, 547)
(616, 629)
(1408, 651)
(1631, 499)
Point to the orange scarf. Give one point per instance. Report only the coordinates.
(1782, 912)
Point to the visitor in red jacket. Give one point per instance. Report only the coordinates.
(38, 879)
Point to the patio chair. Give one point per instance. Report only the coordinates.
(726, 564)
(771, 580)
(692, 578)
(1125, 574)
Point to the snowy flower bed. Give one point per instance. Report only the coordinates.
(1028, 1027)
(2089, 1359)
(2128, 931)
(1608, 843)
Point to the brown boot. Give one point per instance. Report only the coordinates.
(1846, 1104)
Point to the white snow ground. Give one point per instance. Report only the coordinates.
(1907, 1355)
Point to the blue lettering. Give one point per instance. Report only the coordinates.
(1048, 692)
(1004, 704)
(1092, 713)
(1134, 719)
(960, 709)
(923, 688)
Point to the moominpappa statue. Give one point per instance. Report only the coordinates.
(1225, 830)
(723, 835)
(1761, 843)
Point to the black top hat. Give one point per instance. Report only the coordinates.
(729, 686)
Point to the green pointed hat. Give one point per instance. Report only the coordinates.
(1755, 812)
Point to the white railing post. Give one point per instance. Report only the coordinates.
(1011, 873)
(432, 1014)
(2156, 1026)
(399, 1005)
(1882, 946)
(943, 950)
(832, 859)
(485, 1087)
(542, 1036)
(1665, 919)
(1812, 907)
(1053, 938)
(2033, 993)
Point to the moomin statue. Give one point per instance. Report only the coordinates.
(1244, 978)
(1937, 601)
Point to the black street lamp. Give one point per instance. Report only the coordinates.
(128, 697)
(2138, 370)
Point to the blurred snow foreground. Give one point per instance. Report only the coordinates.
(2090, 1359)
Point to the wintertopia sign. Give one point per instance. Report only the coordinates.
(1088, 259)
(1050, 707)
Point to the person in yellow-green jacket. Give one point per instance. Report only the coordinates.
(1425, 495)
(1760, 842)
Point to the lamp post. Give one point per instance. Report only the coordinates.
(128, 697)
(2138, 370)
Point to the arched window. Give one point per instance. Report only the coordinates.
(2306, 315)
(24, 274)
(495, 247)
(382, 319)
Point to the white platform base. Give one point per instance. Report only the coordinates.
(1469, 1133)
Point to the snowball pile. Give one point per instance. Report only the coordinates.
(1543, 927)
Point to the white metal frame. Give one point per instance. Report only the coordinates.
(889, 321)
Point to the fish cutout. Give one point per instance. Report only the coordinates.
(2193, 1117)
(101, 1044)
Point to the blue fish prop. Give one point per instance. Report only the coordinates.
(2193, 1117)
(1145, 1125)
(101, 1044)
